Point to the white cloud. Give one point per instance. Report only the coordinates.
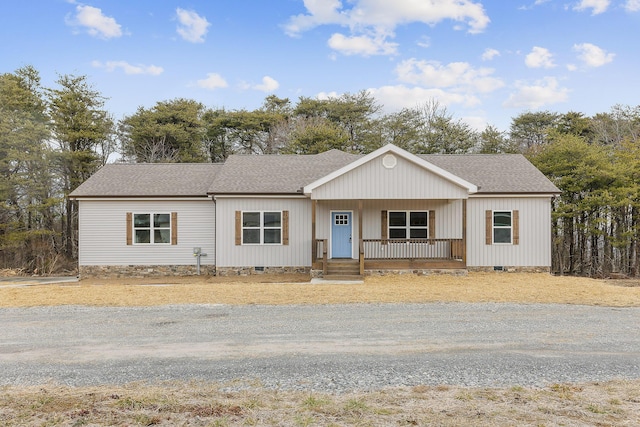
(459, 75)
(321, 12)
(632, 5)
(192, 27)
(268, 84)
(397, 97)
(328, 95)
(361, 45)
(539, 58)
(489, 54)
(111, 66)
(425, 41)
(543, 92)
(95, 22)
(592, 55)
(213, 81)
(377, 19)
(597, 6)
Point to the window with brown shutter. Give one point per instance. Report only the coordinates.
(285, 228)
(488, 227)
(432, 224)
(152, 228)
(174, 228)
(516, 227)
(129, 228)
(502, 227)
(238, 228)
(383, 227)
(262, 228)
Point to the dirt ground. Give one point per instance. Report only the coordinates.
(296, 289)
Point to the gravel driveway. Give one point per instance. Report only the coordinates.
(322, 347)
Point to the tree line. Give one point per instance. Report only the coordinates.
(52, 139)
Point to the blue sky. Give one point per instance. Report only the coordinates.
(486, 61)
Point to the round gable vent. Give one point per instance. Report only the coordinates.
(389, 161)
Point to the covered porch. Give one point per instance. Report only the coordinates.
(375, 245)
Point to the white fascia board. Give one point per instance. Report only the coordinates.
(390, 148)
(257, 196)
(140, 199)
(513, 195)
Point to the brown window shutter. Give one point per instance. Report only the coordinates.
(285, 227)
(129, 228)
(515, 223)
(174, 228)
(488, 227)
(432, 224)
(238, 228)
(383, 227)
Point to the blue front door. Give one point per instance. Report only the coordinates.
(340, 234)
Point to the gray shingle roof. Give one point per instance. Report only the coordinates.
(287, 174)
(492, 173)
(278, 174)
(149, 180)
(495, 173)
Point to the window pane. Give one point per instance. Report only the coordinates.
(501, 235)
(418, 233)
(162, 220)
(418, 219)
(251, 235)
(251, 219)
(397, 219)
(162, 236)
(272, 219)
(143, 236)
(502, 219)
(142, 220)
(397, 233)
(272, 235)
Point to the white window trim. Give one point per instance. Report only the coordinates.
(261, 228)
(502, 227)
(151, 228)
(408, 226)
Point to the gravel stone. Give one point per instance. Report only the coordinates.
(330, 348)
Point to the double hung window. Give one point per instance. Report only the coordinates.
(151, 228)
(502, 227)
(262, 228)
(408, 225)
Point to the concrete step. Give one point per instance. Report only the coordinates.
(346, 277)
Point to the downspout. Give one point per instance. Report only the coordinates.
(215, 235)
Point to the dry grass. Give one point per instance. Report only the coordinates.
(475, 287)
(198, 404)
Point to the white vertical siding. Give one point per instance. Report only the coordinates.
(103, 233)
(296, 254)
(373, 181)
(534, 248)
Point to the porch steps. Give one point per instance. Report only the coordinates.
(343, 269)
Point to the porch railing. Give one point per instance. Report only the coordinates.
(390, 249)
(395, 249)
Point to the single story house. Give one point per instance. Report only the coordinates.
(331, 214)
